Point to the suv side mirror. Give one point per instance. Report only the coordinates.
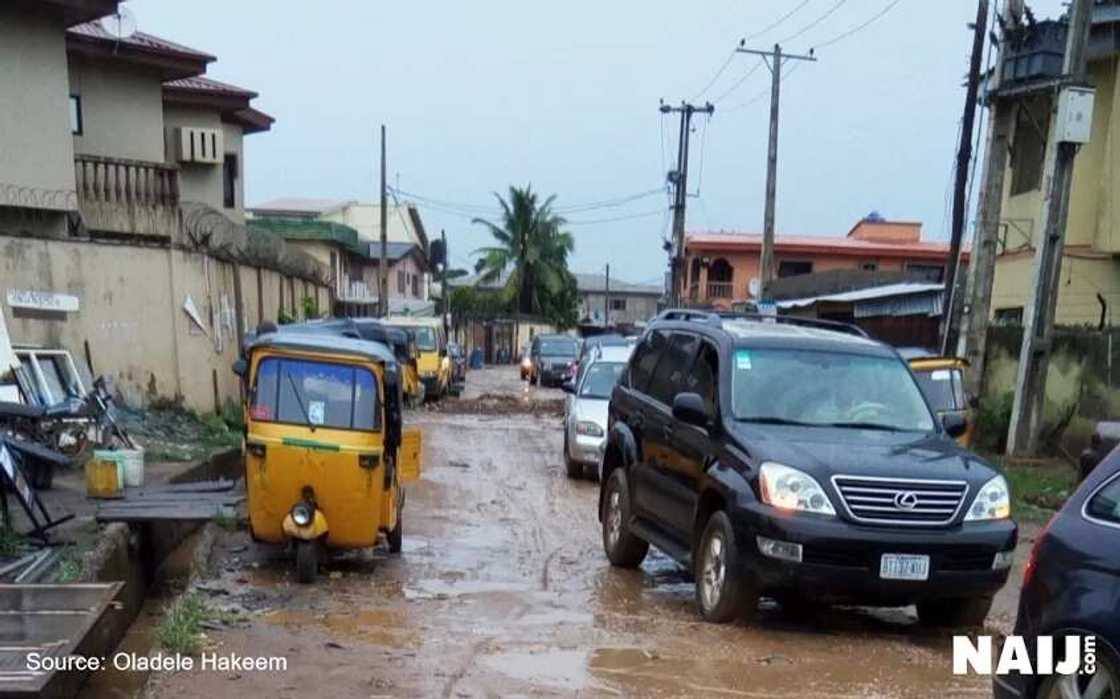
(955, 424)
(689, 408)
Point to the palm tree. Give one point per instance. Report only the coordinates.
(531, 246)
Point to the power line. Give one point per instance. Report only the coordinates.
(761, 94)
(739, 82)
(715, 77)
(828, 13)
(703, 144)
(476, 209)
(644, 214)
(781, 19)
(860, 27)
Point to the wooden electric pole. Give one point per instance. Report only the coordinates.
(607, 301)
(679, 178)
(1038, 317)
(774, 60)
(989, 212)
(960, 186)
(383, 263)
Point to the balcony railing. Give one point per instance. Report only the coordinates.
(721, 290)
(127, 196)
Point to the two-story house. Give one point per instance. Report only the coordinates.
(723, 268)
(121, 206)
(604, 302)
(1089, 287)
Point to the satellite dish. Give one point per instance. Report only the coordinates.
(121, 25)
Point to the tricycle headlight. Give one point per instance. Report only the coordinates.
(302, 514)
(789, 489)
(992, 502)
(589, 429)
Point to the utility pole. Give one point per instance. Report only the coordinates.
(607, 301)
(973, 344)
(1038, 317)
(960, 189)
(679, 178)
(443, 285)
(383, 263)
(774, 60)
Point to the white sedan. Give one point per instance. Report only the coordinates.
(585, 415)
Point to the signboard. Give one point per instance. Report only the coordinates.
(767, 308)
(42, 301)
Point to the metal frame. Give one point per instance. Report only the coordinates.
(31, 355)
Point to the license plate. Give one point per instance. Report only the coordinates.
(902, 566)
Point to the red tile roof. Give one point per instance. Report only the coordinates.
(817, 244)
(140, 41)
(209, 86)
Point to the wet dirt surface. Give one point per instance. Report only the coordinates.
(503, 590)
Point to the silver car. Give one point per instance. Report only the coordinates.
(585, 416)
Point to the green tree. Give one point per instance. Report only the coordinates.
(531, 246)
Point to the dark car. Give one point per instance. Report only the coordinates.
(798, 459)
(552, 359)
(1071, 586)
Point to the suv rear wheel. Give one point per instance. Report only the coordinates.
(951, 613)
(623, 549)
(723, 592)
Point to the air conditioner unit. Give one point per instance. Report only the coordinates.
(198, 145)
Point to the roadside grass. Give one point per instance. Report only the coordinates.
(71, 565)
(1038, 488)
(180, 630)
(11, 542)
(227, 521)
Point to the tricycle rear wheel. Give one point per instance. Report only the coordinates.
(395, 537)
(307, 560)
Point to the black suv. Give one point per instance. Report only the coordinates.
(798, 459)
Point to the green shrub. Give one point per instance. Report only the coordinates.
(180, 630)
(993, 418)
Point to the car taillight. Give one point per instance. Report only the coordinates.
(1032, 560)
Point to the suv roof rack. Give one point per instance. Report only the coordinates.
(717, 317)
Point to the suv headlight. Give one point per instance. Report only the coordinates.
(992, 502)
(589, 429)
(789, 489)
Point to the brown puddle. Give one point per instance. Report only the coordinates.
(381, 627)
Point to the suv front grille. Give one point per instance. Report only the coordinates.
(900, 500)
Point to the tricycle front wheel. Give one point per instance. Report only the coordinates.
(307, 560)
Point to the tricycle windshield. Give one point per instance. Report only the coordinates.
(826, 389)
(944, 388)
(316, 394)
(425, 338)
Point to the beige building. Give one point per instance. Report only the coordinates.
(1090, 274)
(121, 199)
(629, 304)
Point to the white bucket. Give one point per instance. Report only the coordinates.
(133, 462)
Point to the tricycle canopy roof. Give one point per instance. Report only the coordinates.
(335, 344)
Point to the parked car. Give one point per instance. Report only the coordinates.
(1070, 587)
(585, 415)
(797, 458)
(1105, 437)
(552, 359)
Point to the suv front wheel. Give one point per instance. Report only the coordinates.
(723, 591)
(623, 548)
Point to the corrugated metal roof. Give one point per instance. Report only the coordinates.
(301, 229)
(204, 85)
(138, 40)
(597, 283)
(875, 292)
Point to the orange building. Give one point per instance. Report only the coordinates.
(720, 267)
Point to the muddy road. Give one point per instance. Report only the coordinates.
(503, 590)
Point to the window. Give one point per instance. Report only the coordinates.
(400, 281)
(646, 355)
(870, 266)
(1032, 123)
(599, 379)
(790, 268)
(303, 392)
(618, 304)
(229, 181)
(1105, 504)
(76, 115)
(704, 377)
(927, 273)
(668, 378)
(1009, 316)
(416, 286)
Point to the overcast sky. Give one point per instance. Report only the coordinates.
(481, 95)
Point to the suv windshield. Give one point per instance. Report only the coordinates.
(559, 348)
(809, 387)
(600, 379)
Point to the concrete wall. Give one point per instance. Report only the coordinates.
(132, 312)
(1084, 275)
(639, 307)
(203, 182)
(36, 151)
(122, 110)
